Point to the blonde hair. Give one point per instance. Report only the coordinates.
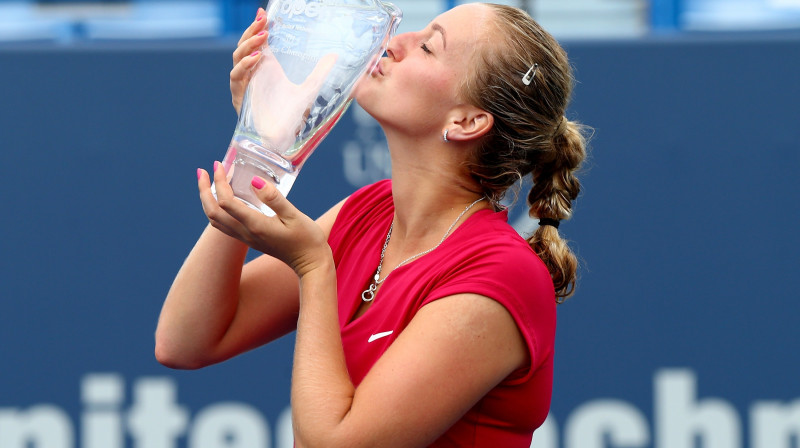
(530, 135)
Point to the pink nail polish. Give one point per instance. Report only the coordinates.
(216, 165)
(254, 53)
(199, 173)
(259, 18)
(261, 33)
(258, 182)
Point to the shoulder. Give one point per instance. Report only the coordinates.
(488, 243)
(365, 199)
(360, 212)
(378, 192)
(489, 258)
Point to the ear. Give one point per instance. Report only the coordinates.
(468, 123)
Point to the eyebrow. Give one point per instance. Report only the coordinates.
(437, 27)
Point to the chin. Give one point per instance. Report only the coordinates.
(365, 100)
(382, 108)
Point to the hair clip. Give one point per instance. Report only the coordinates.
(528, 78)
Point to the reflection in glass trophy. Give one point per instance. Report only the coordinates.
(316, 52)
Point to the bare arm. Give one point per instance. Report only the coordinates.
(216, 308)
(452, 353)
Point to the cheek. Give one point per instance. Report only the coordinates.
(429, 87)
(416, 97)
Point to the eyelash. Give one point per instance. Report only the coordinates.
(426, 49)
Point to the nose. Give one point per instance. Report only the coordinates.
(398, 46)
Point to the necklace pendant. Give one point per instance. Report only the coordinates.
(369, 294)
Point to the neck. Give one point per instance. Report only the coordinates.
(430, 189)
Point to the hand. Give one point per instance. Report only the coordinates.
(246, 56)
(290, 236)
(283, 106)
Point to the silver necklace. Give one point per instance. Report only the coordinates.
(369, 294)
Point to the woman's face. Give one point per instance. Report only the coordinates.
(417, 83)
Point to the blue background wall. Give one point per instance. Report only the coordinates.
(686, 229)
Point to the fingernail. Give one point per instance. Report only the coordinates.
(261, 33)
(216, 165)
(259, 18)
(199, 173)
(255, 53)
(258, 182)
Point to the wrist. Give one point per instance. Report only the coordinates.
(315, 265)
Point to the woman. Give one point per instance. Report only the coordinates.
(422, 318)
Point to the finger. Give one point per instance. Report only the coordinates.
(242, 70)
(206, 196)
(250, 43)
(202, 178)
(272, 198)
(248, 47)
(222, 187)
(234, 208)
(258, 24)
(213, 207)
(207, 200)
(204, 187)
(240, 77)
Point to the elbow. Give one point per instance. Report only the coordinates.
(174, 359)
(307, 442)
(332, 439)
(325, 443)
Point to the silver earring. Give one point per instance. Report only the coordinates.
(445, 135)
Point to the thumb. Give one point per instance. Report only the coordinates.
(272, 198)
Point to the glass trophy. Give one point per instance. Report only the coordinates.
(316, 52)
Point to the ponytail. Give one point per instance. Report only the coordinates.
(555, 186)
(530, 133)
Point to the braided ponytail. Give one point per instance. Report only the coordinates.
(530, 135)
(555, 186)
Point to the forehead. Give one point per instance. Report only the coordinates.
(465, 24)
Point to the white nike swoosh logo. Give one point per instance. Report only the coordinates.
(379, 335)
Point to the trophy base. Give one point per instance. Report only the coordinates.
(245, 160)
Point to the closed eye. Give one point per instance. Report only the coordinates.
(425, 48)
